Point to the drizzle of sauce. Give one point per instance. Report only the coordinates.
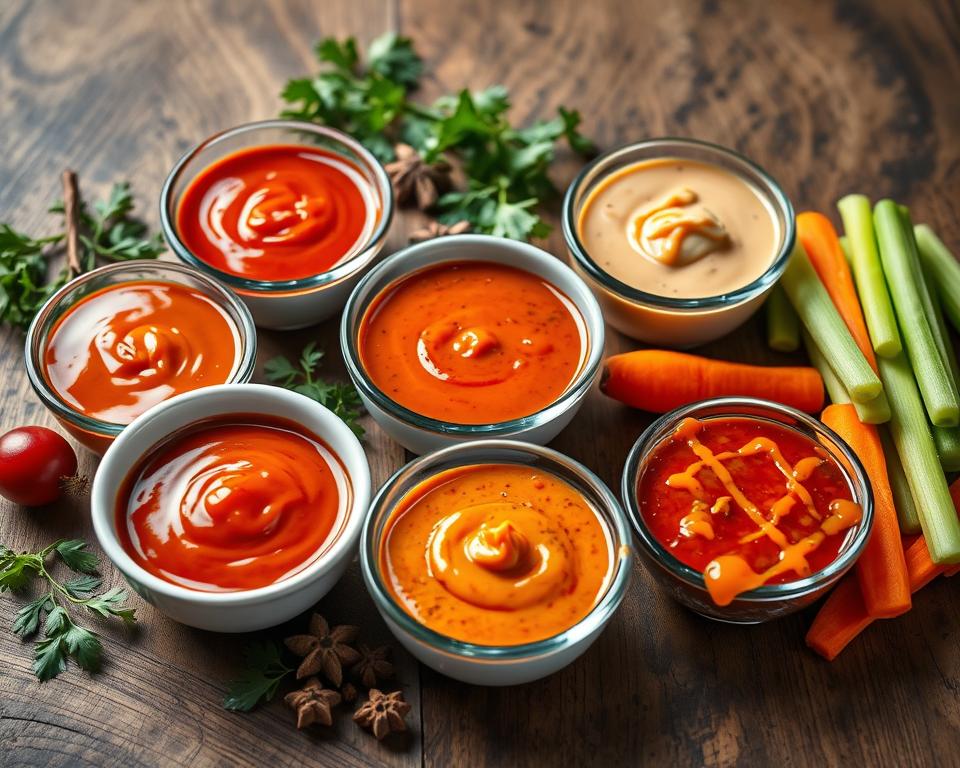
(676, 232)
(733, 564)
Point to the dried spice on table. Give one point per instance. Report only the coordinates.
(383, 713)
(324, 649)
(313, 703)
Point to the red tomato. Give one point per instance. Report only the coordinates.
(33, 463)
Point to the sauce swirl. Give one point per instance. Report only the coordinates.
(496, 554)
(233, 506)
(277, 212)
(127, 347)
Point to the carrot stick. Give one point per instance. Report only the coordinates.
(881, 569)
(843, 614)
(659, 381)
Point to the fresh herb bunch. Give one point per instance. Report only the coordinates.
(505, 167)
(339, 397)
(107, 232)
(62, 637)
(263, 670)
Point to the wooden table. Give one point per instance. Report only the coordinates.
(852, 95)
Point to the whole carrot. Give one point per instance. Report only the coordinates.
(881, 569)
(659, 381)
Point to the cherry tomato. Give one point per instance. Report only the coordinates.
(33, 463)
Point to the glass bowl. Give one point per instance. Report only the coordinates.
(283, 304)
(421, 434)
(94, 433)
(491, 664)
(685, 584)
(663, 320)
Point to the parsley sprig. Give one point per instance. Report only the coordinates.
(259, 678)
(109, 232)
(506, 168)
(339, 397)
(62, 637)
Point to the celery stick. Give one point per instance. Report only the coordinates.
(783, 325)
(845, 247)
(921, 465)
(944, 269)
(826, 327)
(947, 440)
(876, 411)
(835, 389)
(868, 274)
(902, 497)
(907, 288)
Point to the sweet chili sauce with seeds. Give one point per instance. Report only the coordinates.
(746, 502)
(277, 212)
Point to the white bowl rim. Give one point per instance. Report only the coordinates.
(103, 499)
(478, 247)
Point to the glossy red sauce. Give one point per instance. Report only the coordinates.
(277, 212)
(802, 503)
(234, 504)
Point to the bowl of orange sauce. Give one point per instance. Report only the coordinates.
(496, 562)
(746, 510)
(286, 213)
(472, 336)
(120, 339)
(232, 508)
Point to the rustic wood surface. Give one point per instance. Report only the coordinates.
(830, 97)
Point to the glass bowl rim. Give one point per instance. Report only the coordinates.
(699, 304)
(336, 273)
(246, 330)
(592, 318)
(734, 407)
(614, 518)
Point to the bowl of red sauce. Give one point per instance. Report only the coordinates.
(120, 339)
(496, 562)
(472, 336)
(746, 510)
(232, 508)
(286, 213)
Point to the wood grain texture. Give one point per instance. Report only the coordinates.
(829, 97)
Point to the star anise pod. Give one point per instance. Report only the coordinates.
(436, 229)
(349, 692)
(313, 703)
(415, 180)
(382, 713)
(374, 665)
(324, 650)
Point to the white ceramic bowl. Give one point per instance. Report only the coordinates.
(283, 304)
(491, 664)
(246, 610)
(422, 434)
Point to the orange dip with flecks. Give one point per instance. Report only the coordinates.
(496, 554)
(125, 348)
(277, 212)
(472, 342)
(746, 502)
(238, 503)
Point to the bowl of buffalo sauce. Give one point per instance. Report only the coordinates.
(288, 214)
(120, 339)
(472, 336)
(746, 510)
(496, 562)
(234, 507)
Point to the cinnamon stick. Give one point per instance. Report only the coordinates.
(71, 197)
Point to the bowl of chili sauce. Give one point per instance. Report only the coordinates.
(745, 509)
(286, 213)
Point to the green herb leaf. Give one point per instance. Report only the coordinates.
(263, 669)
(28, 618)
(17, 570)
(340, 397)
(111, 603)
(85, 648)
(81, 586)
(49, 658)
(393, 57)
(57, 622)
(76, 557)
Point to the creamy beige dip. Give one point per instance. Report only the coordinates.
(679, 228)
